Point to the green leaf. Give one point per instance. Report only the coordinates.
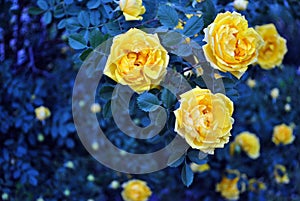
(92, 4)
(95, 17)
(42, 4)
(47, 17)
(183, 50)
(59, 11)
(72, 24)
(168, 98)
(167, 16)
(84, 18)
(148, 102)
(175, 161)
(95, 38)
(61, 24)
(106, 92)
(197, 157)
(112, 28)
(209, 12)
(193, 26)
(187, 175)
(77, 41)
(85, 54)
(107, 110)
(171, 39)
(35, 11)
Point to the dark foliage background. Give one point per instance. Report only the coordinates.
(41, 47)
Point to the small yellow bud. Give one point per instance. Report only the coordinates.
(287, 107)
(95, 108)
(251, 83)
(240, 4)
(274, 93)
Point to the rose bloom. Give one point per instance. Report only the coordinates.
(231, 45)
(204, 119)
(274, 48)
(283, 134)
(228, 187)
(136, 190)
(240, 4)
(280, 174)
(249, 143)
(42, 113)
(132, 9)
(137, 59)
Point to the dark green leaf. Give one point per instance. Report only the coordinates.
(187, 175)
(193, 26)
(107, 110)
(59, 11)
(106, 92)
(167, 16)
(77, 41)
(209, 11)
(35, 11)
(95, 38)
(84, 18)
(168, 98)
(85, 54)
(148, 102)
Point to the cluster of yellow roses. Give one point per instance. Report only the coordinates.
(249, 142)
(232, 46)
(203, 119)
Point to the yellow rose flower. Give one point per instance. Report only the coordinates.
(199, 168)
(280, 174)
(137, 59)
(231, 45)
(42, 113)
(132, 9)
(283, 134)
(204, 119)
(136, 190)
(240, 4)
(228, 187)
(274, 48)
(249, 143)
